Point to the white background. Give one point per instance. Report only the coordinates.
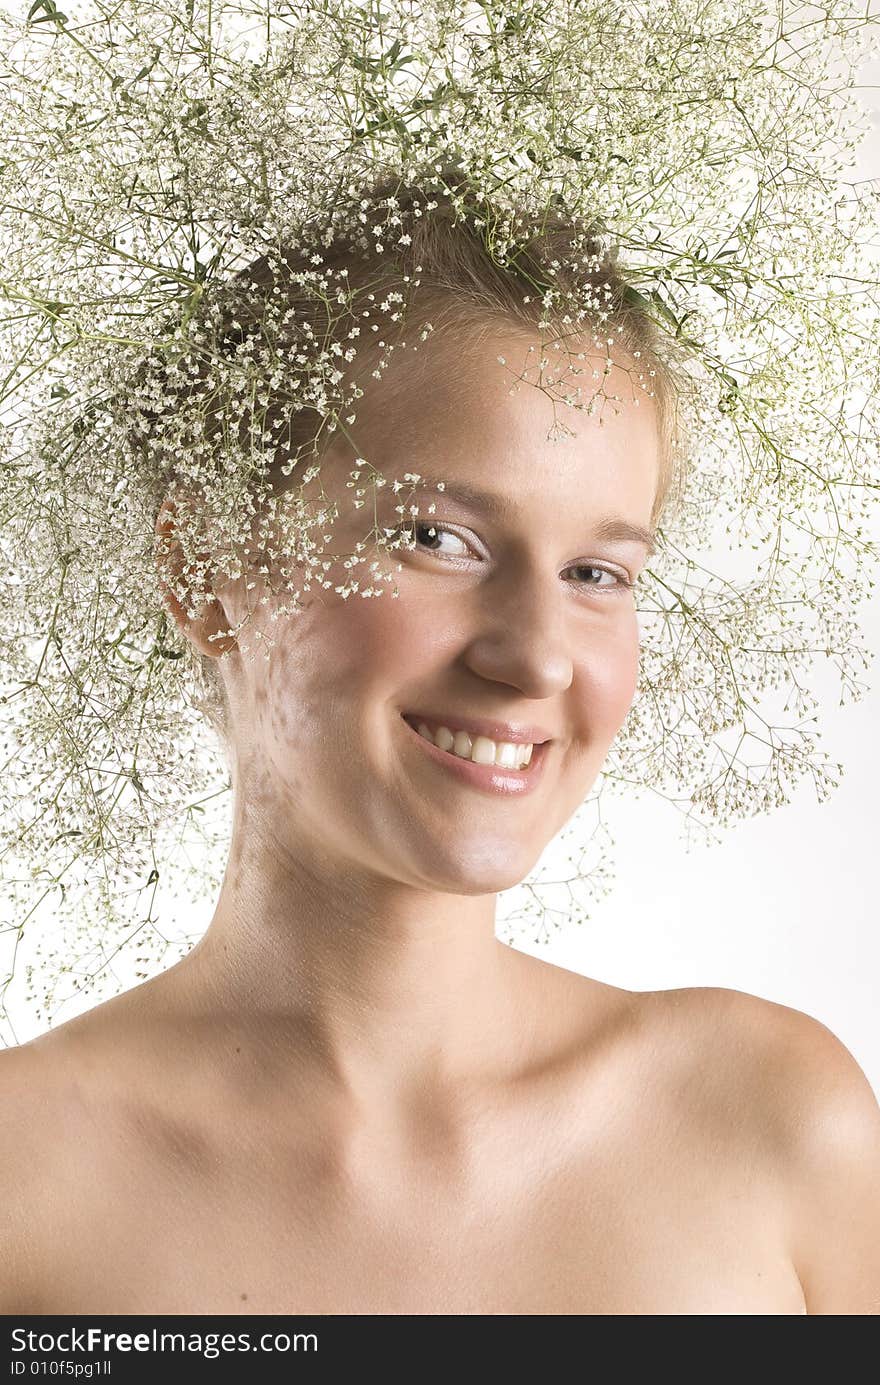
(785, 908)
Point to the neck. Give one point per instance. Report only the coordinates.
(386, 988)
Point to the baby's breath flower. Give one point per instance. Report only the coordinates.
(210, 246)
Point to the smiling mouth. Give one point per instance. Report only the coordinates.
(492, 778)
(460, 743)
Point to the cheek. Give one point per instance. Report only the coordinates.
(334, 658)
(609, 675)
(377, 642)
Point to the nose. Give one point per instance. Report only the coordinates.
(522, 635)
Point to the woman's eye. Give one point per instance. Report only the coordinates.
(433, 531)
(619, 582)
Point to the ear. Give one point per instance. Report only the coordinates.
(212, 617)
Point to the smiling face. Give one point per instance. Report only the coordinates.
(512, 610)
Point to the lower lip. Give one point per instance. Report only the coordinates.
(490, 778)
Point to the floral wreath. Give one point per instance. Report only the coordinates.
(192, 193)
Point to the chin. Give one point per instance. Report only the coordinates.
(478, 871)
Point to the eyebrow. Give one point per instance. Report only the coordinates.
(611, 528)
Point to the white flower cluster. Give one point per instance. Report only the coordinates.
(217, 220)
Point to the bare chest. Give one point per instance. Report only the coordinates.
(644, 1220)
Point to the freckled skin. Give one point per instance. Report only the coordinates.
(350, 1097)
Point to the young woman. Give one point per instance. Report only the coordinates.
(350, 1097)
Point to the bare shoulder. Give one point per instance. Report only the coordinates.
(818, 1117)
(51, 1133)
(797, 1056)
(87, 1110)
(34, 1124)
(32, 1092)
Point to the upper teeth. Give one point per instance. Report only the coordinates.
(480, 749)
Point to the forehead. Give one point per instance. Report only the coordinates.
(477, 407)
